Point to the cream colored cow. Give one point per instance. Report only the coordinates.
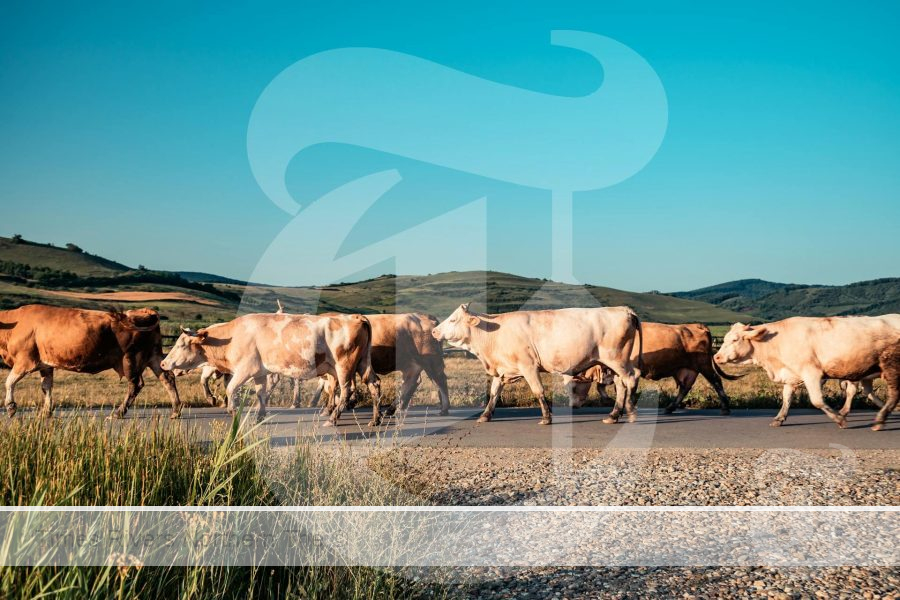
(523, 344)
(251, 347)
(807, 350)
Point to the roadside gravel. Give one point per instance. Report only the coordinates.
(668, 476)
(676, 477)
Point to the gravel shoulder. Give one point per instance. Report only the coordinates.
(668, 476)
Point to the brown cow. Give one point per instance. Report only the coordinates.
(567, 341)
(43, 338)
(807, 350)
(890, 372)
(678, 351)
(252, 346)
(404, 343)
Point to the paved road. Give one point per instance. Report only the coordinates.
(518, 427)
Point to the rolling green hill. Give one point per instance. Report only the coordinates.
(57, 258)
(773, 301)
(492, 291)
(43, 273)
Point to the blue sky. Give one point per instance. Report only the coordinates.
(125, 131)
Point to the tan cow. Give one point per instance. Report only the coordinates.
(890, 372)
(568, 341)
(43, 338)
(681, 352)
(298, 346)
(403, 342)
(807, 350)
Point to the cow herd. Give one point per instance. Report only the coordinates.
(586, 346)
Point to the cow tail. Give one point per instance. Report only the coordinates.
(636, 322)
(365, 363)
(722, 373)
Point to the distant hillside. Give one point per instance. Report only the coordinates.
(31, 272)
(210, 278)
(772, 301)
(492, 291)
(57, 258)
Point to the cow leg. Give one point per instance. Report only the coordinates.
(343, 384)
(890, 405)
(716, 382)
(47, 389)
(409, 386)
(231, 388)
(435, 371)
(326, 385)
(135, 383)
(11, 380)
(849, 388)
(295, 393)
(496, 388)
(787, 392)
(813, 384)
(685, 379)
(205, 376)
(866, 385)
(613, 416)
(574, 390)
(261, 387)
(533, 379)
(167, 379)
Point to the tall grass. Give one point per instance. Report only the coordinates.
(87, 461)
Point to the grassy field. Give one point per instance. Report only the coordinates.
(467, 381)
(89, 461)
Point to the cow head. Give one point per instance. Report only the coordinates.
(188, 352)
(457, 328)
(736, 347)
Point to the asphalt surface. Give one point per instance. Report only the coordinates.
(581, 428)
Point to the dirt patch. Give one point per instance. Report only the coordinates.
(137, 297)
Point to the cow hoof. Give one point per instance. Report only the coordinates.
(669, 410)
(11, 409)
(324, 413)
(175, 415)
(374, 423)
(632, 418)
(296, 405)
(328, 423)
(842, 423)
(545, 421)
(877, 426)
(260, 416)
(115, 415)
(776, 423)
(611, 420)
(444, 413)
(725, 412)
(483, 419)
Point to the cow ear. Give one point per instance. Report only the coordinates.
(473, 321)
(755, 333)
(200, 336)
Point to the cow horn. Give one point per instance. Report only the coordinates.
(188, 331)
(280, 306)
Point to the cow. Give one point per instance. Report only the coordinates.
(678, 351)
(889, 361)
(403, 342)
(807, 350)
(566, 341)
(43, 338)
(252, 346)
